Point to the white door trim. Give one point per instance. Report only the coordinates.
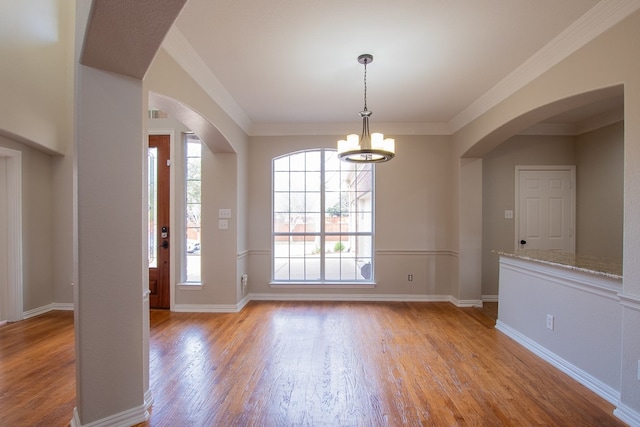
(14, 233)
(516, 213)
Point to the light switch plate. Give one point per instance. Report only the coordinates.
(224, 213)
(508, 214)
(223, 224)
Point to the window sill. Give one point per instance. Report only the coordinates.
(193, 286)
(323, 285)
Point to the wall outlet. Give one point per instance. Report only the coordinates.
(243, 281)
(550, 321)
(410, 277)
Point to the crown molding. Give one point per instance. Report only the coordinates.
(596, 21)
(185, 55)
(308, 129)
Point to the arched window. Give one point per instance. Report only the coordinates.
(322, 218)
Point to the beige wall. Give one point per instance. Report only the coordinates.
(608, 63)
(37, 225)
(36, 47)
(412, 214)
(600, 192)
(498, 188)
(224, 181)
(598, 156)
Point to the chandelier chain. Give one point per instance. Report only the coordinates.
(365, 84)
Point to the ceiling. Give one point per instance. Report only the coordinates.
(290, 66)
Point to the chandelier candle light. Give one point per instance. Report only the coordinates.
(368, 148)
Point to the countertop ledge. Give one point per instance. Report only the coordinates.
(593, 265)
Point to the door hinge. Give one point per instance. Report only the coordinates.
(168, 162)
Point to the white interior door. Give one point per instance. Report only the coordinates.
(545, 204)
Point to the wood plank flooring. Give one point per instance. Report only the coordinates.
(37, 371)
(311, 364)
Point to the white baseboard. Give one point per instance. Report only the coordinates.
(601, 389)
(234, 308)
(210, 308)
(466, 302)
(126, 418)
(489, 298)
(47, 308)
(148, 399)
(627, 415)
(37, 311)
(349, 297)
(244, 301)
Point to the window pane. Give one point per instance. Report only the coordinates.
(193, 168)
(297, 162)
(331, 161)
(312, 181)
(153, 206)
(193, 192)
(281, 202)
(312, 202)
(281, 164)
(313, 223)
(281, 269)
(313, 161)
(312, 269)
(297, 181)
(281, 181)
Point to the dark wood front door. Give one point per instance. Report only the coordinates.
(159, 233)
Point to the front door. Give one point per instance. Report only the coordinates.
(159, 233)
(545, 207)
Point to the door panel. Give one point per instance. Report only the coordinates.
(159, 233)
(546, 200)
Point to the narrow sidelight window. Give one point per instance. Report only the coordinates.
(193, 207)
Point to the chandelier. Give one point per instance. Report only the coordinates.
(368, 148)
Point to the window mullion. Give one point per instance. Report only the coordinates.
(322, 215)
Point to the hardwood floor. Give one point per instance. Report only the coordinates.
(37, 371)
(311, 364)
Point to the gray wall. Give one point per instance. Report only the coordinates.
(598, 156)
(37, 227)
(413, 215)
(599, 193)
(498, 191)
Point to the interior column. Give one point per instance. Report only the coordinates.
(109, 290)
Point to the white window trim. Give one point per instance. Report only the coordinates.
(190, 286)
(184, 284)
(323, 284)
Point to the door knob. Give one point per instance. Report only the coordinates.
(165, 244)
(523, 242)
